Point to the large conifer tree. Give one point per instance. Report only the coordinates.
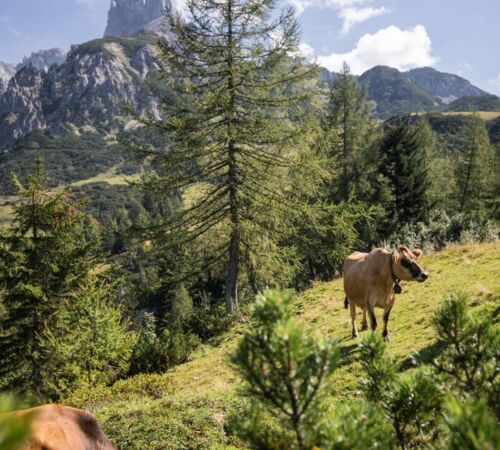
(474, 169)
(403, 163)
(42, 257)
(234, 100)
(348, 119)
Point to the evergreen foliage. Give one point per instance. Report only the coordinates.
(474, 171)
(91, 343)
(43, 256)
(403, 163)
(470, 351)
(430, 407)
(285, 368)
(349, 132)
(236, 103)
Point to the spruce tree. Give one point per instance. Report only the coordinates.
(91, 343)
(474, 175)
(347, 122)
(233, 102)
(403, 163)
(42, 257)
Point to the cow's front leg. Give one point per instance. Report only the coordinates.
(364, 323)
(387, 312)
(352, 310)
(370, 305)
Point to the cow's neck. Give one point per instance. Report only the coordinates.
(396, 286)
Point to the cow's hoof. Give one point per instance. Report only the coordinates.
(364, 326)
(354, 335)
(386, 338)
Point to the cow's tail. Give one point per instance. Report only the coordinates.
(346, 303)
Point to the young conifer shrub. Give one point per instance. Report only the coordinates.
(285, 368)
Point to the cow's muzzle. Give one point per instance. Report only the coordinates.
(422, 276)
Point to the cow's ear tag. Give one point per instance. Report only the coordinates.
(397, 288)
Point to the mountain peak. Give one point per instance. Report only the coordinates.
(43, 59)
(128, 17)
(448, 87)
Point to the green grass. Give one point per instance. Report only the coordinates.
(194, 405)
(110, 177)
(485, 115)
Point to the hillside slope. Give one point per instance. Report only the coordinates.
(195, 405)
(394, 92)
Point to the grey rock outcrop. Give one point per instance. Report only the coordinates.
(90, 88)
(446, 86)
(128, 17)
(7, 71)
(43, 59)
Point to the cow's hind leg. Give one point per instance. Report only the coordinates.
(364, 323)
(370, 305)
(387, 312)
(352, 310)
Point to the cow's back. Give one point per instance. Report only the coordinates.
(363, 271)
(57, 427)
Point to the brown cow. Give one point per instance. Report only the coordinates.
(372, 279)
(57, 427)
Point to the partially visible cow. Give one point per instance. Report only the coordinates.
(372, 280)
(57, 427)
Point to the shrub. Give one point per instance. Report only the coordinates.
(468, 363)
(285, 369)
(442, 229)
(91, 344)
(157, 351)
(411, 403)
(472, 426)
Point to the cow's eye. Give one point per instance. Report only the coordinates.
(406, 264)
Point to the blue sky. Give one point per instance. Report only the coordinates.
(458, 36)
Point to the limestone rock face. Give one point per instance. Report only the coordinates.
(7, 71)
(128, 17)
(446, 86)
(43, 59)
(89, 88)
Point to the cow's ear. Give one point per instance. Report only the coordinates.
(417, 252)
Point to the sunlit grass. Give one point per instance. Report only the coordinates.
(204, 390)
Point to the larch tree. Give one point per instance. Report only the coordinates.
(234, 80)
(42, 258)
(474, 169)
(348, 120)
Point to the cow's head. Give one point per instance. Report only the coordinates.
(406, 266)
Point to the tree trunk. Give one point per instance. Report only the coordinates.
(232, 272)
(470, 165)
(234, 244)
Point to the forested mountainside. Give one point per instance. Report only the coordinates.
(176, 214)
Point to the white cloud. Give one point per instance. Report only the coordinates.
(351, 12)
(495, 82)
(391, 46)
(353, 16)
(301, 5)
(306, 51)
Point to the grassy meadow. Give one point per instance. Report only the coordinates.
(194, 405)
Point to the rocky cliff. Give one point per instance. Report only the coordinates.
(446, 86)
(7, 71)
(89, 88)
(128, 17)
(43, 59)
